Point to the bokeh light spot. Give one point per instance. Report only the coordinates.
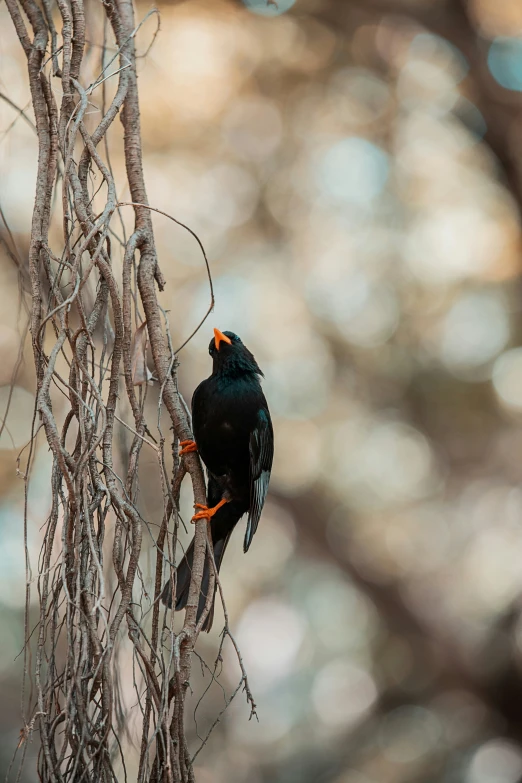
(341, 617)
(389, 462)
(440, 51)
(497, 761)
(343, 693)
(505, 62)
(475, 329)
(497, 18)
(270, 633)
(365, 310)
(507, 378)
(452, 243)
(269, 7)
(359, 96)
(424, 84)
(353, 171)
(299, 387)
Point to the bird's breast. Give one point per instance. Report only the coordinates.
(223, 421)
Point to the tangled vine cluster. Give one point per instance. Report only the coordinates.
(94, 318)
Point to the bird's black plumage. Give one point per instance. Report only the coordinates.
(234, 437)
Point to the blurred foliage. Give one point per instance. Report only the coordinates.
(354, 170)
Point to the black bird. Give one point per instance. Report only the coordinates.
(234, 437)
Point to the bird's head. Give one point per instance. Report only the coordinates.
(230, 356)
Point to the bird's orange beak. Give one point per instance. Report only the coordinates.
(220, 337)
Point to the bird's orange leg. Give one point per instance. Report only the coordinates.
(207, 513)
(188, 446)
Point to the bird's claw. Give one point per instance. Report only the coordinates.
(206, 512)
(188, 446)
(198, 516)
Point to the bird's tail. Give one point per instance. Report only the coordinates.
(183, 574)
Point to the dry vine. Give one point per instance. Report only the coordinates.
(87, 329)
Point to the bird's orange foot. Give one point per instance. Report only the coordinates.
(188, 446)
(206, 512)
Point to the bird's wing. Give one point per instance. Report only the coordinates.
(261, 454)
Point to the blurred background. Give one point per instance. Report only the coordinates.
(354, 170)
